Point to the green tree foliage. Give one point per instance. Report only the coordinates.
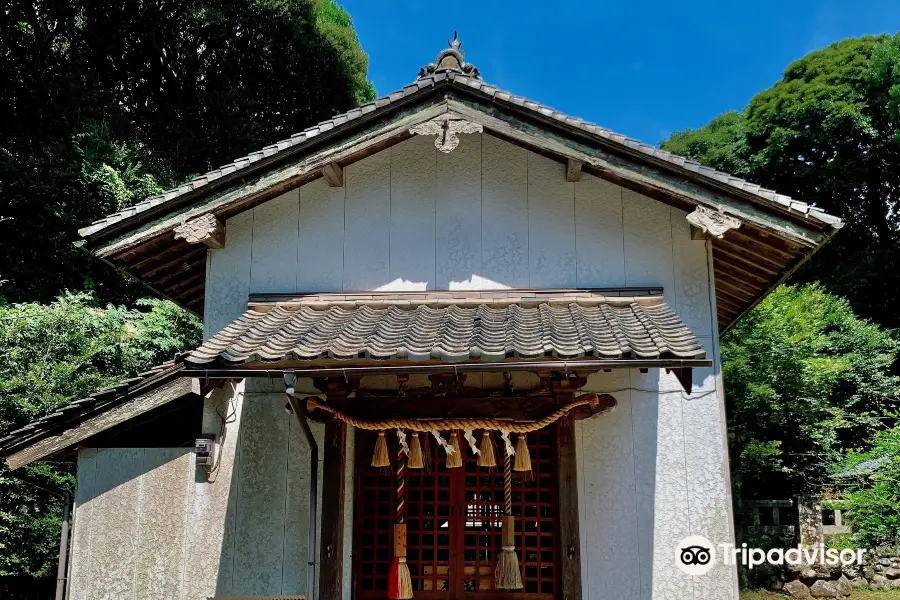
(873, 501)
(105, 102)
(50, 356)
(828, 133)
(806, 382)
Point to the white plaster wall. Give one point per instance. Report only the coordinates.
(488, 215)
(148, 527)
(655, 469)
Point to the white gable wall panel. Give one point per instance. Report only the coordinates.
(458, 218)
(412, 217)
(551, 225)
(599, 238)
(276, 236)
(320, 243)
(489, 215)
(504, 210)
(367, 225)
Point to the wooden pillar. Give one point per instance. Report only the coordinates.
(567, 483)
(331, 565)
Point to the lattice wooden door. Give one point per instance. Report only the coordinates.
(453, 530)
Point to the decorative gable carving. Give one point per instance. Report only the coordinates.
(205, 229)
(446, 128)
(712, 222)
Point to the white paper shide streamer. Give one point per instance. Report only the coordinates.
(504, 435)
(443, 443)
(401, 437)
(471, 439)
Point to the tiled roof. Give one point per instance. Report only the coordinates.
(866, 467)
(79, 410)
(451, 77)
(442, 327)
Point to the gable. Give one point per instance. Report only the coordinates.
(488, 216)
(776, 234)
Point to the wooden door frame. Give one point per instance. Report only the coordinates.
(569, 540)
(566, 533)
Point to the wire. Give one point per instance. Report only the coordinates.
(684, 396)
(228, 417)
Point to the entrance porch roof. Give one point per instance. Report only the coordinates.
(370, 329)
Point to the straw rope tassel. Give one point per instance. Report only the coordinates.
(415, 453)
(486, 456)
(454, 459)
(381, 458)
(523, 456)
(399, 580)
(507, 575)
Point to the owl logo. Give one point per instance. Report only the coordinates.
(695, 555)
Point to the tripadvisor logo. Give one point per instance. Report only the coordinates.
(696, 555)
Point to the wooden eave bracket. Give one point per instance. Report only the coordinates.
(685, 377)
(206, 229)
(711, 222)
(333, 174)
(573, 170)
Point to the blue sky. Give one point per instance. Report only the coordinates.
(643, 69)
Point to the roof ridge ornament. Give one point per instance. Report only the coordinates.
(451, 59)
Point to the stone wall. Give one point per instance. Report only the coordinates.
(820, 581)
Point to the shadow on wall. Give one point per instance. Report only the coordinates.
(148, 524)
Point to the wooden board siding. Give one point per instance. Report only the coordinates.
(458, 217)
(488, 215)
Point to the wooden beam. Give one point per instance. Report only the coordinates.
(726, 268)
(154, 254)
(725, 301)
(573, 170)
(769, 261)
(206, 229)
(764, 244)
(698, 234)
(744, 263)
(333, 174)
(137, 405)
(331, 568)
(736, 297)
(196, 254)
(569, 536)
(737, 285)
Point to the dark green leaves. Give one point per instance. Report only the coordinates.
(828, 133)
(806, 381)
